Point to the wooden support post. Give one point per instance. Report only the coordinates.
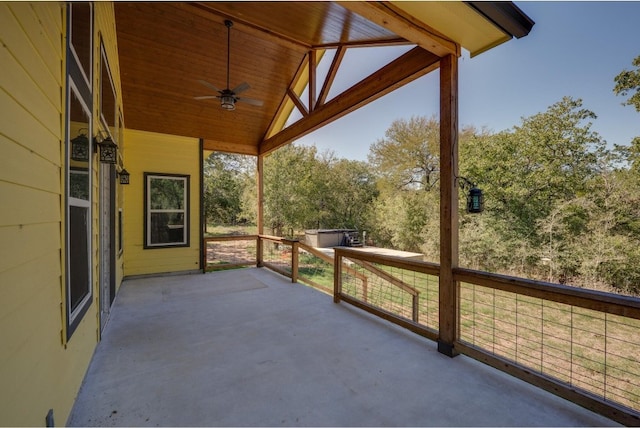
(448, 288)
(415, 313)
(337, 277)
(294, 258)
(260, 214)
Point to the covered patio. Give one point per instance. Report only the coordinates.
(250, 348)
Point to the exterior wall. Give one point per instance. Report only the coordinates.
(39, 368)
(106, 31)
(165, 154)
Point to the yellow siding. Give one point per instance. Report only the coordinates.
(39, 370)
(38, 373)
(149, 152)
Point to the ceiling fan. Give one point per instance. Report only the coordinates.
(229, 97)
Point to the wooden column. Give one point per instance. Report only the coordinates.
(449, 316)
(260, 213)
(337, 276)
(294, 258)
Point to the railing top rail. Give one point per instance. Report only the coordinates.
(273, 238)
(229, 238)
(590, 299)
(398, 262)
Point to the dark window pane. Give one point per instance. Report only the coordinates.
(107, 95)
(79, 255)
(167, 193)
(167, 228)
(81, 34)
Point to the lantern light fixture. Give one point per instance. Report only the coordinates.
(124, 176)
(80, 147)
(475, 198)
(108, 151)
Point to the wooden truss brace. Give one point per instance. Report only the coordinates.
(404, 69)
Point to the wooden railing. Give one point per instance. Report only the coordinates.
(399, 290)
(580, 344)
(583, 345)
(229, 251)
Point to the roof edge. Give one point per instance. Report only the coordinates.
(505, 15)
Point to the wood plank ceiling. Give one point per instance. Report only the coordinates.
(166, 48)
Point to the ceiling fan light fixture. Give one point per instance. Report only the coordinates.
(227, 102)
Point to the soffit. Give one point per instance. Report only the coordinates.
(457, 21)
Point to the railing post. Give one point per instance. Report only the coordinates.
(259, 252)
(294, 259)
(416, 308)
(337, 276)
(205, 248)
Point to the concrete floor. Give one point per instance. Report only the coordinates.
(248, 348)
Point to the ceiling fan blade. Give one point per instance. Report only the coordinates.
(206, 97)
(251, 101)
(209, 85)
(241, 88)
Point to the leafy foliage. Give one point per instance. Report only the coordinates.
(628, 82)
(559, 205)
(226, 178)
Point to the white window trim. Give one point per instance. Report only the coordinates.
(184, 211)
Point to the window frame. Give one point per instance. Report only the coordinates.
(78, 89)
(106, 82)
(74, 58)
(74, 315)
(148, 211)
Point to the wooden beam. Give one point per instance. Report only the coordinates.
(397, 41)
(213, 12)
(448, 287)
(226, 147)
(298, 102)
(404, 25)
(331, 74)
(408, 67)
(313, 66)
(286, 104)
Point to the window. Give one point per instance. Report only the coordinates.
(80, 39)
(78, 215)
(78, 161)
(107, 96)
(166, 208)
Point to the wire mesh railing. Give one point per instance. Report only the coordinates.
(315, 268)
(586, 340)
(229, 251)
(277, 254)
(400, 290)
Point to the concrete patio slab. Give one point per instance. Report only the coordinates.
(248, 348)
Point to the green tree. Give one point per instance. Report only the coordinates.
(305, 189)
(628, 82)
(408, 157)
(225, 179)
(525, 172)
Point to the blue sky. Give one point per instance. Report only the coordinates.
(575, 49)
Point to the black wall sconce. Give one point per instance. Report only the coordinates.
(80, 147)
(124, 176)
(475, 198)
(108, 150)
